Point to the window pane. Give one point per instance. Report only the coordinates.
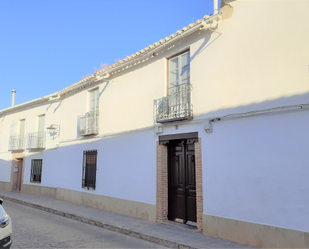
(185, 70)
(173, 72)
(41, 123)
(93, 100)
(22, 127)
(173, 64)
(97, 98)
(174, 78)
(185, 59)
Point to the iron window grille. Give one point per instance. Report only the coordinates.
(36, 170)
(89, 169)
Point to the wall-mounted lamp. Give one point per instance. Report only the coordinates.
(159, 129)
(53, 129)
(208, 126)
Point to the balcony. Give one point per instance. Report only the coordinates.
(17, 143)
(89, 124)
(176, 106)
(36, 140)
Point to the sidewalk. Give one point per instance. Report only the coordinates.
(170, 236)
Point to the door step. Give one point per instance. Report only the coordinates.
(178, 223)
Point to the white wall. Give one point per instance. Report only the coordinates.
(126, 166)
(255, 169)
(9, 126)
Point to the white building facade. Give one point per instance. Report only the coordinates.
(208, 125)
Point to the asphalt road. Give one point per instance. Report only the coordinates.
(33, 228)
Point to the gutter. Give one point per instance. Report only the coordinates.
(199, 26)
(209, 23)
(26, 104)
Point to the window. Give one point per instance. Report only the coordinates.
(20, 140)
(89, 169)
(89, 123)
(41, 125)
(179, 70)
(22, 127)
(41, 132)
(17, 142)
(36, 170)
(94, 100)
(176, 106)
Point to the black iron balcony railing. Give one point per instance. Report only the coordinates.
(36, 140)
(175, 106)
(89, 123)
(17, 142)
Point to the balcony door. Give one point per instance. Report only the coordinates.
(41, 132)
(21, 137)
(179, 86)
(92, 121)
(94, 100)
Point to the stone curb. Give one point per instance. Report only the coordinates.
(105, 225)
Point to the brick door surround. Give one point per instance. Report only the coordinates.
(162, 183)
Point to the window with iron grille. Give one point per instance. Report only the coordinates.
(36, 170)
(89, 169)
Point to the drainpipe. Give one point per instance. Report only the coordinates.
(13, 97)
(215, 7)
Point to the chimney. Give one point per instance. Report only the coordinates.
(215, 7)
(13, 97)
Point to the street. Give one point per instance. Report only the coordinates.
(33, 228)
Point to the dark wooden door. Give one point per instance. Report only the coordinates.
(182, 186)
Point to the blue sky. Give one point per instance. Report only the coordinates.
(47, 45)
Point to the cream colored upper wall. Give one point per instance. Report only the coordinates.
(259, 56)
(128, 102)
(126, 99)
(262, 55)
(10, 124)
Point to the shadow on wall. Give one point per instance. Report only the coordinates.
(204, 45)
(268, 104)
(284, 101)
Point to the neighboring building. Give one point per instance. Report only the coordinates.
(209, 125)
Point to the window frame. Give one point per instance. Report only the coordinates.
(33, 161)
(89, 169)
(168, 67)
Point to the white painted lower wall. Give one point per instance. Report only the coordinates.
(256, 169)
(5, 167)
(126, 166)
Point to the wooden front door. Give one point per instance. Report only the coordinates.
(181, 181)
(17, 175)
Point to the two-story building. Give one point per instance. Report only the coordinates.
(207, 126)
